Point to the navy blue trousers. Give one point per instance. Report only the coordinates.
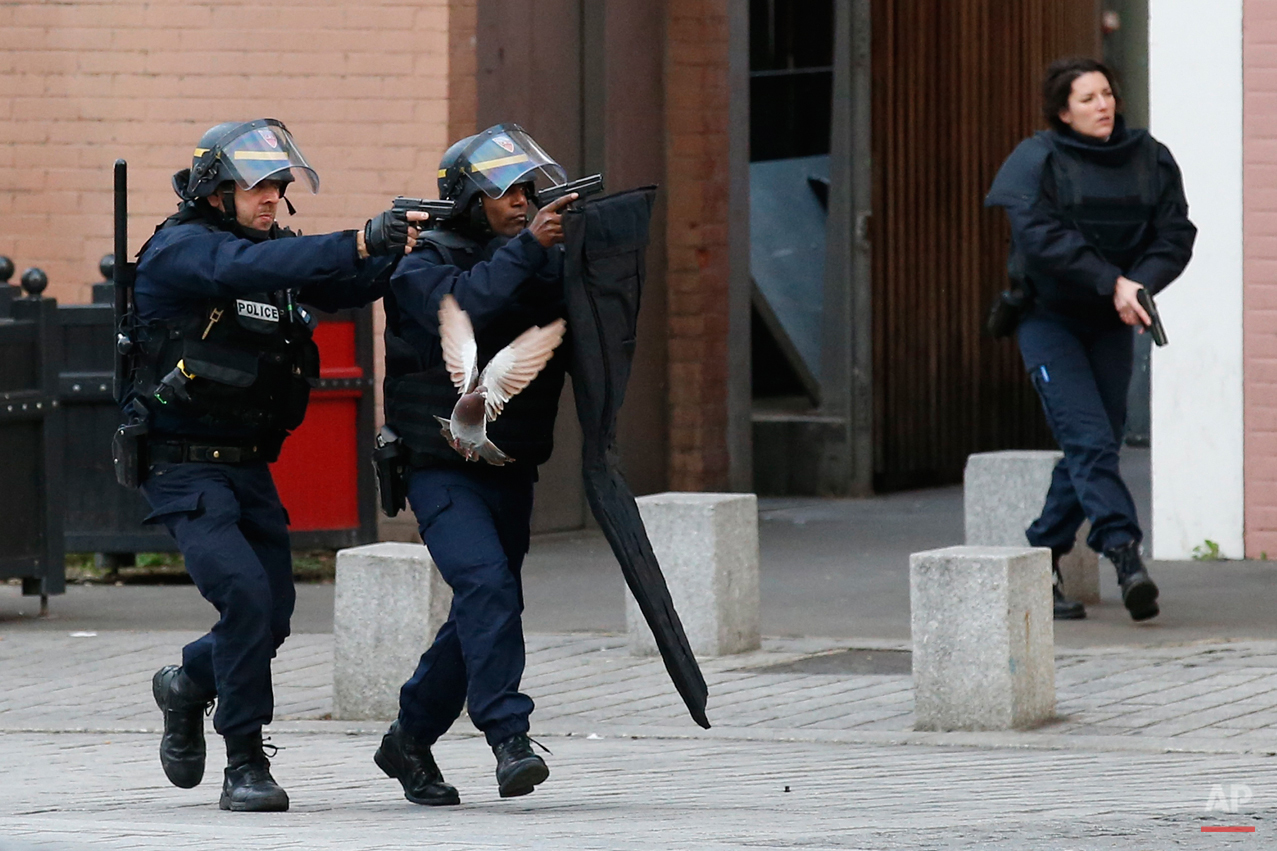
(475, 522)
(1082, 371)
(233, 533)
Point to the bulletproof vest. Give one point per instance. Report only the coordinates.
(246, 362)
(417, 390)
(1112, 200)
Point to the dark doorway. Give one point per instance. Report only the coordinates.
(790, 89)
(791, 76)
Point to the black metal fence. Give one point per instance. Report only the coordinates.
(58, 492)
(31, 438)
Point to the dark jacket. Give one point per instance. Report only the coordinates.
(506, 287)
(188, 265)
(1122, 213)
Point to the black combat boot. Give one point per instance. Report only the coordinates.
(519, 770)
(1065, 609)
(411, 763)
(182, 748)
(1139, 594)
(248, 786)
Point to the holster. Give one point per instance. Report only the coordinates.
(128, 453)
(390, 470)
(1007, 311)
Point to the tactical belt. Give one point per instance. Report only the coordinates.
(179, 453)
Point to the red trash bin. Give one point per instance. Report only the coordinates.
(320, 473)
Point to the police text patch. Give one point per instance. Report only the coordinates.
(257, 310)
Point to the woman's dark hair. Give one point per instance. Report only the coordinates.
(1058, 85)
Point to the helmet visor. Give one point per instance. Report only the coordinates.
(265, 150)
(500, 158)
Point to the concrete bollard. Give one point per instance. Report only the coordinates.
(388, 604)
(983, 638)
(1003, 492)
(707, 545)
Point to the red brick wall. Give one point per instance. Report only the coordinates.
(1260, 270)
(363, 87)
(697, 185)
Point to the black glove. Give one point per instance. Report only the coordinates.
(386, 233)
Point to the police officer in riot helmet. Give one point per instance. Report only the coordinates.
(498, 262)
(219, 375)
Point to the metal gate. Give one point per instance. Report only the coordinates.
(31, 546)
(101, 516)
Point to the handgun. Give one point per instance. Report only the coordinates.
(438, 210)
(1155, 327)
(583, 187)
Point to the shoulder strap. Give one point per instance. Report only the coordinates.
(1145, 161)
(452, 245)
(1066, 169)
(186, 214)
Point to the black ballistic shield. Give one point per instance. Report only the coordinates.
(606, 241)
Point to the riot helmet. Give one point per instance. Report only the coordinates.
(245, 153)
(491, 162)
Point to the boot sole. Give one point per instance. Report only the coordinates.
(159, 685)
(524, 780)
(1141, 601)
(1070, 616)
(384, 765)
(267, 806)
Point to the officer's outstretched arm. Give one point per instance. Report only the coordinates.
(483, 292)
(371, 283)
(217, 264)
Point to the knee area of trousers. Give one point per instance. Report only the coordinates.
(246, 597)
(492, 589)
(1091, 453)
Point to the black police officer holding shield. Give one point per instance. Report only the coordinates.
(476, 314)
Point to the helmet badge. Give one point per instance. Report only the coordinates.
(269, 138)
(504, 142)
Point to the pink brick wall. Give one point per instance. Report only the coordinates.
(363, 87)
(1260, 269)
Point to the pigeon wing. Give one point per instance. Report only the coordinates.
(460, 353)
(514, 367)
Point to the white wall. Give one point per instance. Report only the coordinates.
(1195, 107)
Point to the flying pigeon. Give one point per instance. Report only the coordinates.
(484, 395)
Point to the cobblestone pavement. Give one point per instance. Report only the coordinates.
(1146, 740)
(106, 792)
(1208, 696)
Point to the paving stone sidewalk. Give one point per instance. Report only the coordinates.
(93, 791)
(1208, 697)
(1146, 739)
